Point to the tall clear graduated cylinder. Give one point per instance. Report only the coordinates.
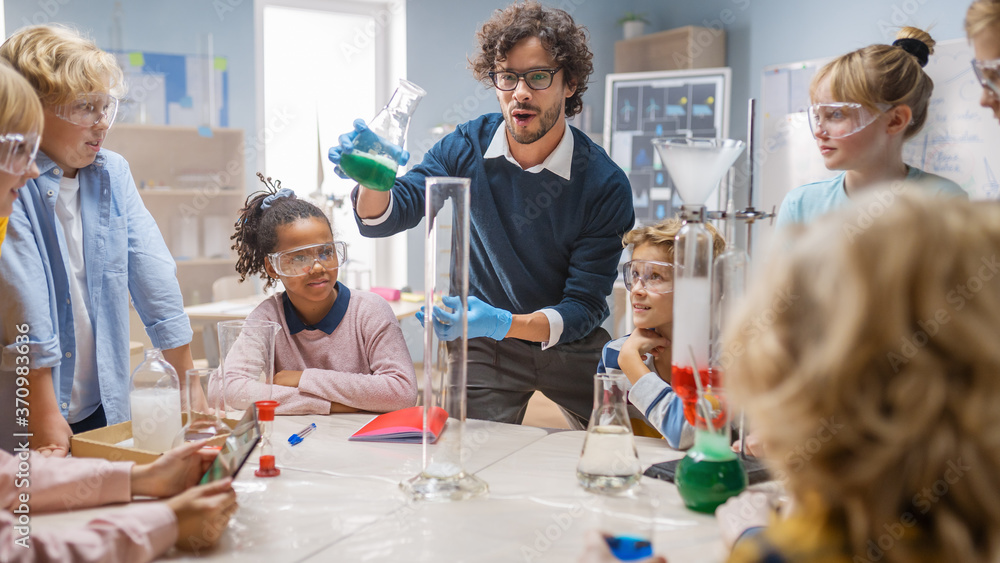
(695, 165)
(728, 288)
(692, 306)
(443, 476)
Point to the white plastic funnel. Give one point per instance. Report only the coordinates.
(696, 165)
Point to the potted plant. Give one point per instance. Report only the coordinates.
(633, 24)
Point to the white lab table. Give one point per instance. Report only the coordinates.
(340, 501)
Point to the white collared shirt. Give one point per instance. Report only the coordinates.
(559, 162)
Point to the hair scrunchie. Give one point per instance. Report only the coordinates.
(915, 47)
(269, 200)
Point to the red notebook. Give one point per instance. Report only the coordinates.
(403, 426)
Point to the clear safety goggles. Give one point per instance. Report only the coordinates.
(840, 119)
(988, 73)
(88, 110)
(18, 152)
(300, 261)
(656, 277)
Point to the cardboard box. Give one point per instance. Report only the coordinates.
(101, 443)
(675, 49)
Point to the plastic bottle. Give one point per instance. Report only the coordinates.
(155, 400)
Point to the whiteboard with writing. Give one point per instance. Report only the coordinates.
(960, 140)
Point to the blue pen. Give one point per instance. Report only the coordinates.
(296, 439)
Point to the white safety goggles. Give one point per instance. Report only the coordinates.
(88, 110)
(656, 277)
(18, 152)
(841, 119)
(988, 73)
(300, 261)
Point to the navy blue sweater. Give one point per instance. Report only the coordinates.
(537, 240)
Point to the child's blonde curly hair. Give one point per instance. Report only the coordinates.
(871, 369)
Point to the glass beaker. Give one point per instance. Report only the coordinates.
(373, 162)
(246, 360)
(265, 419)
(155, 402)
(203, 414)
(446, 254)
(710, 471)
(626, 521)
(609, 462)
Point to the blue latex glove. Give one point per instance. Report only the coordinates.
(362, 135)
(484, 319)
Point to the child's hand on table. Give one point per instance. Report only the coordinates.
(174, 472)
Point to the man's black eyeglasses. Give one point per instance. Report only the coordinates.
(537, 79)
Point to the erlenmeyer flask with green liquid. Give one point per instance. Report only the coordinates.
(373, 162)
(710, 472)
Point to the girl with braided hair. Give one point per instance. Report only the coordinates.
(339, 350)
(865, 106)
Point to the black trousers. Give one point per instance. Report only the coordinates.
(504, 374)
(92, 422)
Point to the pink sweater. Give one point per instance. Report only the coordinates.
(134, 534)
(363, 364)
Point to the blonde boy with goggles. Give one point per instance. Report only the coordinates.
(79, 244)
(644, 356)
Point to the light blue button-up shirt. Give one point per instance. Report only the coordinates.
(124, 255)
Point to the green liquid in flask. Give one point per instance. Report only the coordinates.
(371, 171)
(710, 473)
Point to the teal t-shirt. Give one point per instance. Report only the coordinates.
(805, 203)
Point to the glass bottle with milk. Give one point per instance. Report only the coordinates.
(155, 399)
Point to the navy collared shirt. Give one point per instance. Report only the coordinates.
(329, 323)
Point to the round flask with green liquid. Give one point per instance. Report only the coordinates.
(710, 473)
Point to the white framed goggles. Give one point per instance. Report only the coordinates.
(301, 260)
(656, 277)
(18, 152)
(841, 119)
(88, 110)
(988, 73)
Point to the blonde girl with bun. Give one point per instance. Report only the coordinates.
(982, 26)
(865, 106)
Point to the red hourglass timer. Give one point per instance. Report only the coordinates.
(265, 418)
